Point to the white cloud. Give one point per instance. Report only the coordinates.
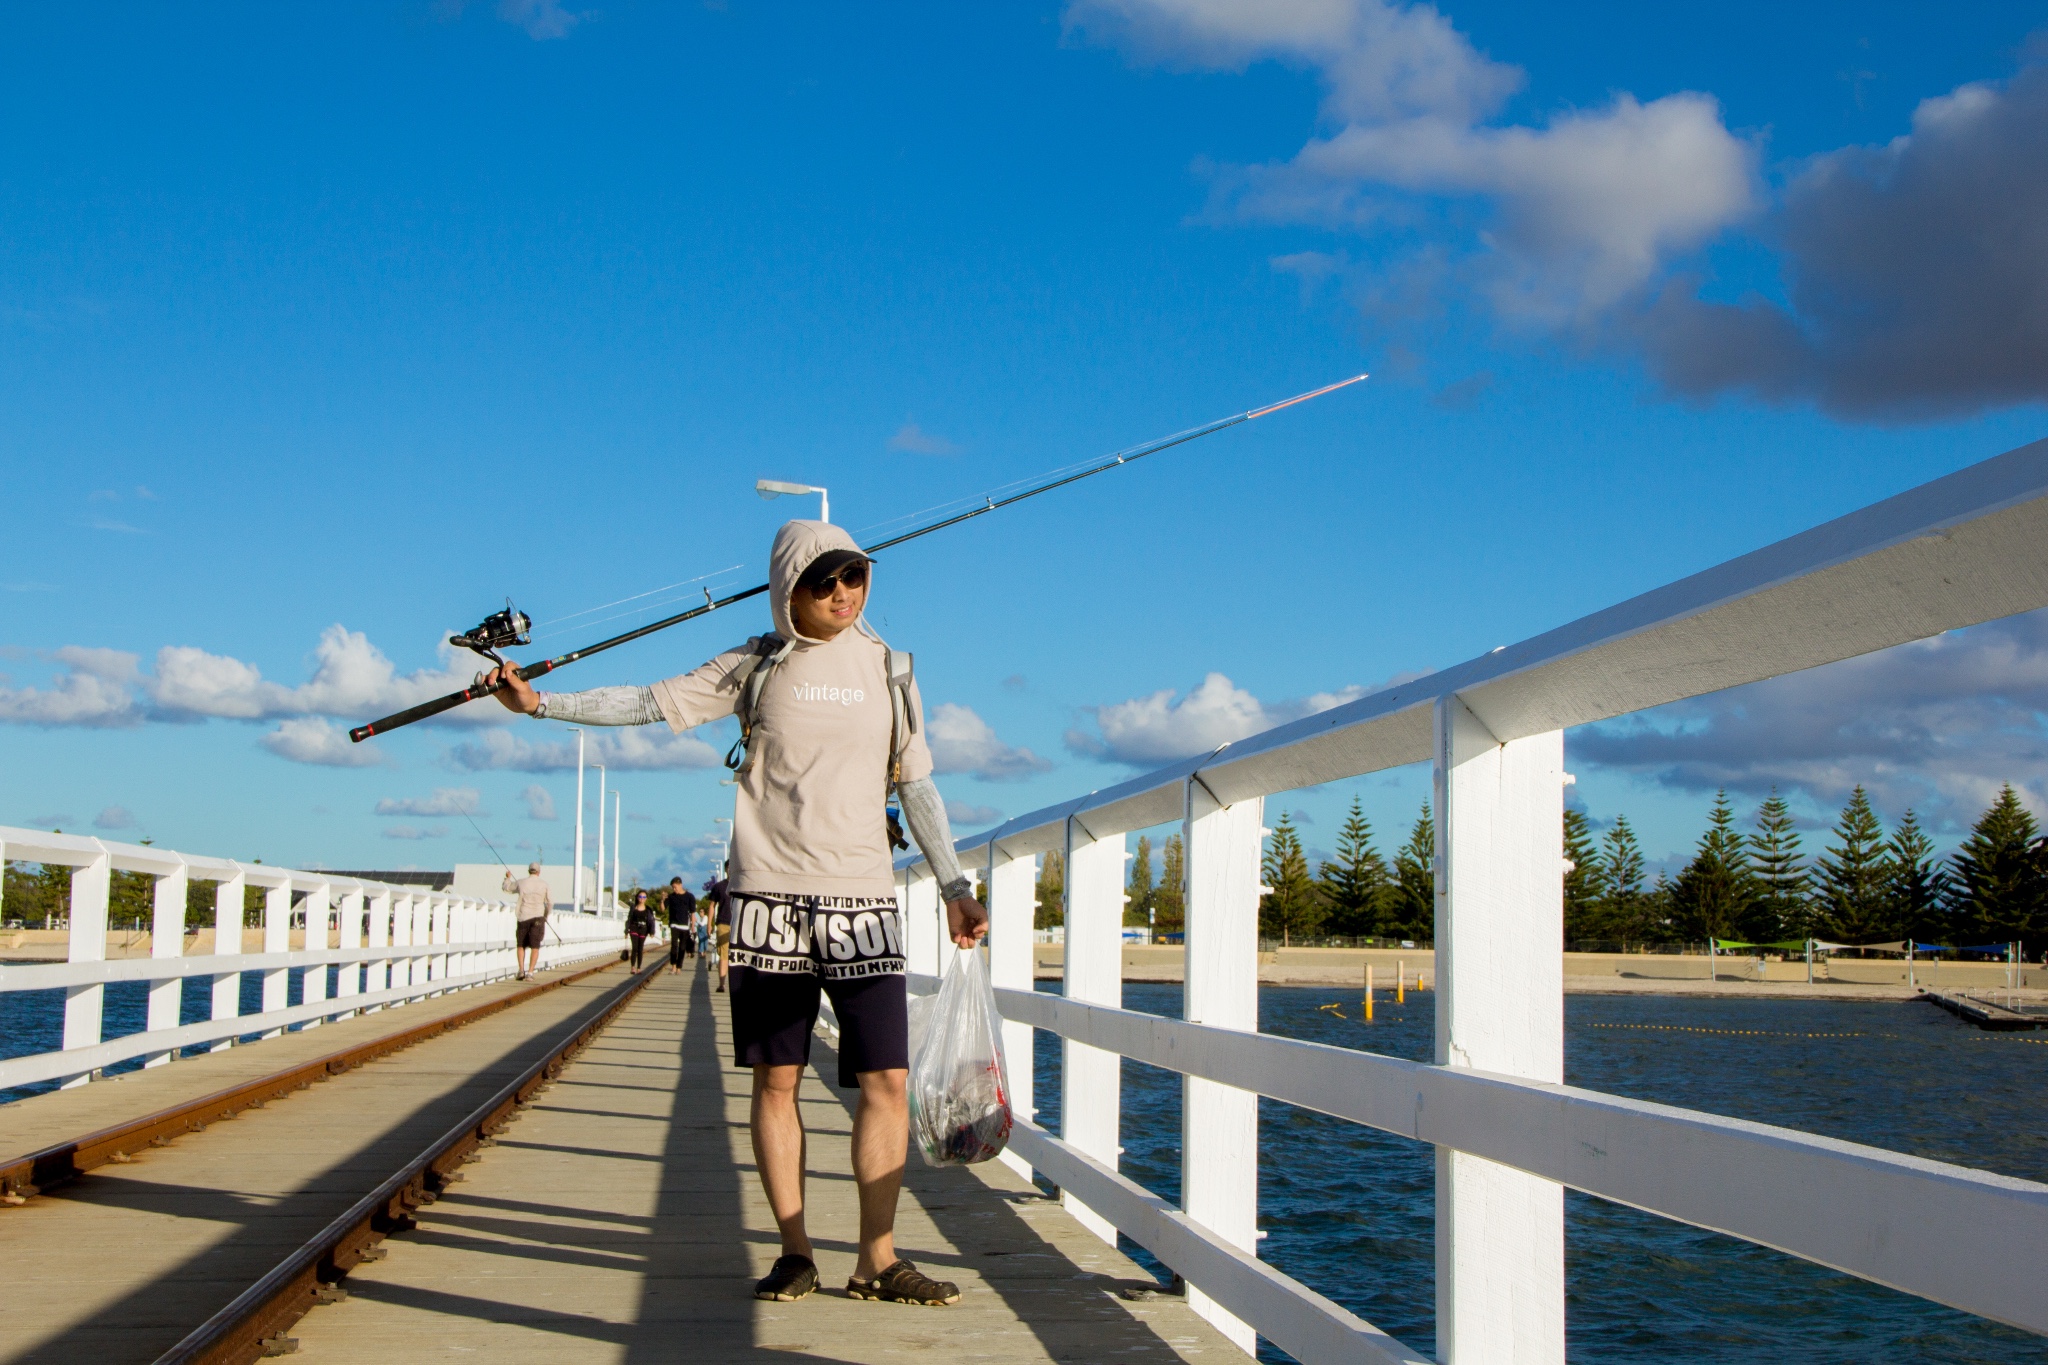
(350, 678)
(1938, 725)
(1586, 210)
(312, 739)
(414, 832)
(969, 816)
(95, 690)
(694, 858)
(444, 802)
(114, 817)
(1164, 726)
(540, 803)
(541, 18)
(916, 440)
(641, 747)
(962, 742)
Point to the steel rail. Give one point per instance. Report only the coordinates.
(29, 1174)
(1128, 455)
(252, 1326)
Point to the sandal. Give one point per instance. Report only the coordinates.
(790, 1278)
(904, 1283)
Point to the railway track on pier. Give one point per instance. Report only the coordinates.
(257, 1256)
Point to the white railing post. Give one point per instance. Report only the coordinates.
(227, 942)
(921, 915)
(444, 926)
(1012, 883)
(379, 968)
(1220, 1124)
(87, 942)
(166, 940)
(401, 937)
(277, 938)
(313, 979)
(349, 924)
(1091, 1078)
(1499, 1008)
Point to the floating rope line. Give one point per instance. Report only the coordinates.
(1738, 1032)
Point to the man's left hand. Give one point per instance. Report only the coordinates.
(966, 921)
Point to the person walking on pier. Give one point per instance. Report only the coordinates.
(532, 933)
(681, 908)
(831, 725)
(639, 924)
(721, 925)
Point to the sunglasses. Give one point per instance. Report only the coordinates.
(854, 576)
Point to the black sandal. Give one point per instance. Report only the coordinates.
(790, 1278)
(904, 1283)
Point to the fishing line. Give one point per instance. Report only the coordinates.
(510, 627)
(603, 606)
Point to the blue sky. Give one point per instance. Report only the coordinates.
(323, 331)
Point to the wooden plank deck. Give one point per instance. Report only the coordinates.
(118, 1265)
(620, 1220)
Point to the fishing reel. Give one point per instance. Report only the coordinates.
(499, 630)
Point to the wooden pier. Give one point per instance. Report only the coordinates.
(617, 1219)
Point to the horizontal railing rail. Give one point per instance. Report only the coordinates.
(1510, 1137)
(43, 976)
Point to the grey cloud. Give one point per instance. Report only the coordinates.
(962, 742)
(1917, 273)
(540, 803)
(115, 817)
(970, 816)
(414, 832)
(1938, 725)
(644, 747)
(444, 802)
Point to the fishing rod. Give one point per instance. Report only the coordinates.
(511, 627)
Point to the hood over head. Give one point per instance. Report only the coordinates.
(797, 545)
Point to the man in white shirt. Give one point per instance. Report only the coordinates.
(534, 901)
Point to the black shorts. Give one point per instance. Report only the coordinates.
(773, 1014)
(533, 933)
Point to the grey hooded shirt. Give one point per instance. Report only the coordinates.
(810, 819)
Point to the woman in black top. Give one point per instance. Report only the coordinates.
(639, 924)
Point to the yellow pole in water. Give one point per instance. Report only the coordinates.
(1368, 992)
(1401, 981)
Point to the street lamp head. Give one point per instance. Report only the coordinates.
(775, 488)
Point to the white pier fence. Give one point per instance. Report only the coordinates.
(1509, 1135)
(396, 944)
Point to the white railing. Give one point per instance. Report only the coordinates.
(394, 944)
(1510, 1136)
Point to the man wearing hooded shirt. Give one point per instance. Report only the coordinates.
(811, 885)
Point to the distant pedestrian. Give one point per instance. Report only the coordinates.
(721, 925)
(639, 924)
(700, 925)
(681, 908)
(534, 901)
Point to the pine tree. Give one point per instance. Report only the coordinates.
(1168, 905)
(1354, 888)
(1581, 879)
(1052, 908)
(1623, 902)
(1914, 883)
(1782, 881)
(1412, 911)
(1714, 896)
(1849, 879)
(1138, 892)
(1995, 889)
(1290, 909)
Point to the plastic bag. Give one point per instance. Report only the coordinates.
(959, 1083)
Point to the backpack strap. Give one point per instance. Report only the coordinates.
(902, 723)
(752, 673)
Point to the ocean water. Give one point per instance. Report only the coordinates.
(33, 1021)
(1350, 1211)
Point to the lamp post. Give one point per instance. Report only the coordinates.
(775, 488)
(576, 872)
(618, 818)
(599, 898)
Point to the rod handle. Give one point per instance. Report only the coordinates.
(440, 704)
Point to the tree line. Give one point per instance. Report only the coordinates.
(1753, 885)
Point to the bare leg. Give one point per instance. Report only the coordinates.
(778, 1130)
(881, 1136)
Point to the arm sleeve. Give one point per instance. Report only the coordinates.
(925, 814)
(703, 694)
(601, 706)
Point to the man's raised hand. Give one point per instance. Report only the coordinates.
(516, 693)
